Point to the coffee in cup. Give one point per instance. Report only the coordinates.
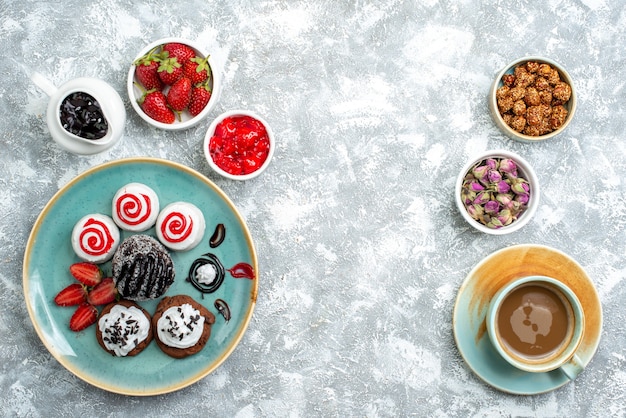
(536, 323)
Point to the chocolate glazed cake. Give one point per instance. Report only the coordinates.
(142, 268)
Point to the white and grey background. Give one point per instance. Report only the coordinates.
(376, 106)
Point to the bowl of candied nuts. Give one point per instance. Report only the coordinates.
(497, 192)
(532, 99)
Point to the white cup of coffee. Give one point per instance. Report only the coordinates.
(536, 323)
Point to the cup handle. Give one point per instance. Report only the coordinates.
(573, 367)
(43, 83)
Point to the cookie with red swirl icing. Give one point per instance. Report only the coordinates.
(95, 238)
(135, 207)
(180, 226)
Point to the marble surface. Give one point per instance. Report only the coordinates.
(376, 105)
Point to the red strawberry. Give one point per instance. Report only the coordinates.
(200, 96)
(154, 104)
(170, 70)
(148, 76)
(84, 316)
(87, 273)
(197, 69)
(181, 52)
(146, 71)
(73, 294)
(179, 95)
(105, 292)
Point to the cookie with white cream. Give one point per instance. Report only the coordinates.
(181, 326)
(135, 207)
(180, 226)
(124, 329)
(95, 238)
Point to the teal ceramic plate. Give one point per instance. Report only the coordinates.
(49, 254)
(481, 284)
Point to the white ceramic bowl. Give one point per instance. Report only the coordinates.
(187, 121)
(570, 105)
(211, 131)
(524, 170)
(110, 102)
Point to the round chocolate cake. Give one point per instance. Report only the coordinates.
(181, 326)
(142, 268)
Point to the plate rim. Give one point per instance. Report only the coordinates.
(166, 388)
(464, 288)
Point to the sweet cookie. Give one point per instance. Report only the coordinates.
(135, 207)
(142, 268)
(124, 328)
(95, 238)
(180, 226)
(181, 326)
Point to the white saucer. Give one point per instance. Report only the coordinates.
(489, 275)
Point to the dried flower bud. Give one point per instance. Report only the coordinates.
(502, 187)
(475, 211)
(467, 196)
(505, 217)
(482, 198)
(475, 186)
(520, 186)
(491, 163)
(494, 223)
(508, 166)
(522, 198)
(480, 172)
(494, 176)
(504, 198)
(492, 207)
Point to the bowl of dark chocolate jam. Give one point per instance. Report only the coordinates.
(84, 115)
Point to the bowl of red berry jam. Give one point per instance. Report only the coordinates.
(239, 145)
(172, 84)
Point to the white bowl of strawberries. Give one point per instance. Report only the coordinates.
(172, 84)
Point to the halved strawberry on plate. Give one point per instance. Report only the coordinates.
(88, 274)
(74, 294)
(84, 316)
(103, 293)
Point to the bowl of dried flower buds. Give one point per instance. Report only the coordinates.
(532, 99)
(497, 192)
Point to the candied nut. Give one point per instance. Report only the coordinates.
(532, 97)
(562, 91)
(557, 119)
(518, 123)
(532, 66)
(541, 83)
(546, 97)
(502, 92)
(531, 130)
(507, 118)
(508, 80)
(534, 115)
(523, 78)
(517, 93)
(505, 104)
(544, 70)
(519, 107)
(553, 77)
